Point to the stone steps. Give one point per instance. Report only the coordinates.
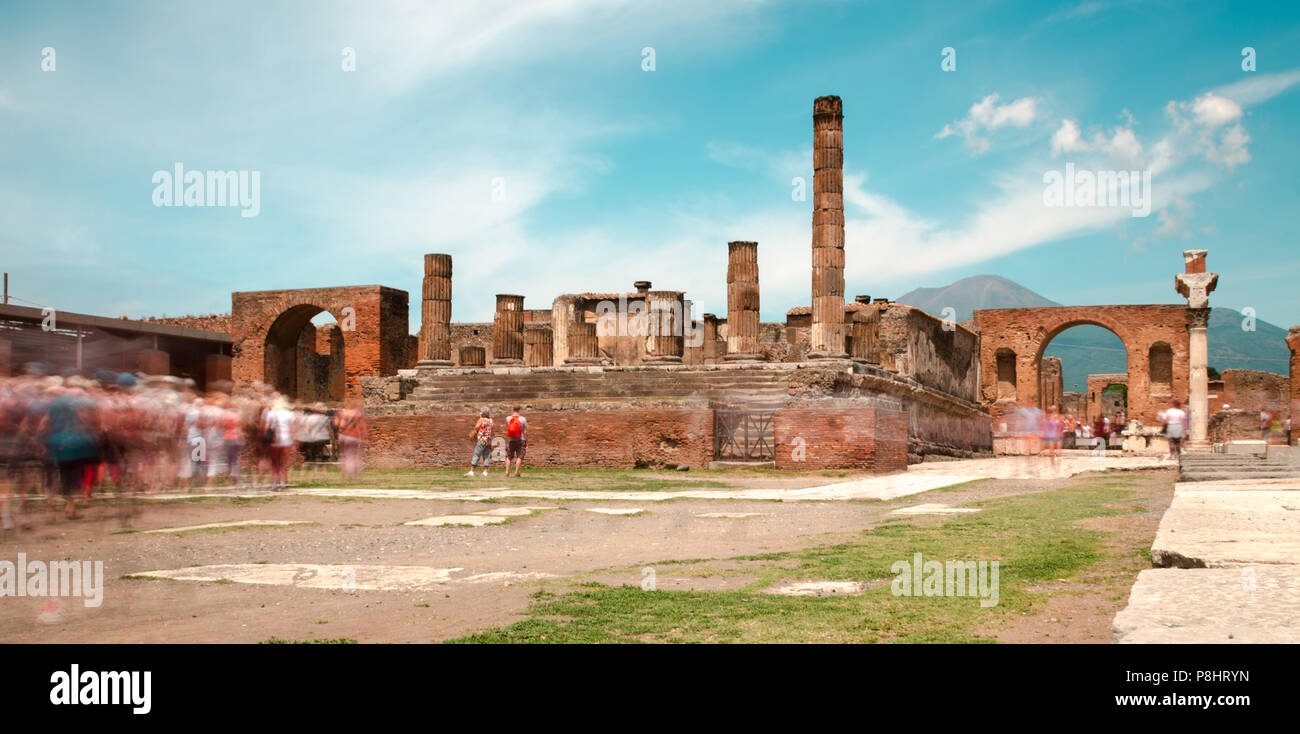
(1198, 467)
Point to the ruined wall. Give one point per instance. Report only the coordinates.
(935, 353)
(219, 322)
(266, 326)
(836, 435)
(1050, 387)
(1251, 390)
(1099, 403)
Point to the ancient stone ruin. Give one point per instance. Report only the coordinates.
(636, 378)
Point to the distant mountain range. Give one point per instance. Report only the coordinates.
(1089, 350)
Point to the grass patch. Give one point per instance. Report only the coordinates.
(1035, 538)
(642, 480)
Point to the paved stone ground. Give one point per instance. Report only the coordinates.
(1228, 567)
(355, 568)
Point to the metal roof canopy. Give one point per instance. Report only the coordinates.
(126, 326)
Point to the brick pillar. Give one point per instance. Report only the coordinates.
(1293, 342)
(583, 349)
(153, 362)
(827, 333)
(538, 343)
(6, 358)
(472, 356)
(664, 315)
(508, 331)
(435, 312)
(742, 301)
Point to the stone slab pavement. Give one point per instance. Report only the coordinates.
(1228, 558)
(1212, 606)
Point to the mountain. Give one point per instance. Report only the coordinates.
(1090, 350)
(977, 291)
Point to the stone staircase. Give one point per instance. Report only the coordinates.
(756, 389)
(1204, 467)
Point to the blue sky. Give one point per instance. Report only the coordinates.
(614, 174)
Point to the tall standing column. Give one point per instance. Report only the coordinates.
(827, 332)
(508, 331)
(664, 310)
(435, 312)
(1196, 285)
(742, 301)
(1198, 389)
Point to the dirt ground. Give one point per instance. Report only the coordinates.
(564, 545)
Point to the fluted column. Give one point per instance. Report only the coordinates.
(583, 347)
(827, 332)
(742, 301)
(537, 345)
(435, 312)
(472, 356)
(664, 312)
(508, 331)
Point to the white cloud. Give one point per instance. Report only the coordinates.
(986, 116)
(1256, 88)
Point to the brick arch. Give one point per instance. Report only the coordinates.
(1028, 331)
(376, 345)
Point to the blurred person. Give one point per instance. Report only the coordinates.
(314, 432)
(69, 443)
(279, 430)
(1052, 435)
(232, 438)
(482, 436)
(1175, 428)
(350, 422)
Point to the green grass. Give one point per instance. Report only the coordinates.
(1035, 537)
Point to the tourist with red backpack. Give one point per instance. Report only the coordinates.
(517, 437)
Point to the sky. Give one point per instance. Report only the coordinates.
(556, 146)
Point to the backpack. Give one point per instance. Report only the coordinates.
(514, 427)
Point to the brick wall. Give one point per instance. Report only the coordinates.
(598, 438)
(840, 437)
(1250, 390)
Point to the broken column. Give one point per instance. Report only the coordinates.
(664, 339)
(508, 331)
(583, 346)
(827, 333)
(537, 345)
(713, 347)
(1293, 343)
(472, 356)
(435, 312)
(742, 301)
(1196, 285)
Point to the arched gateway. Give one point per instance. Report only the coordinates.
(268, 327)
(1012, 341)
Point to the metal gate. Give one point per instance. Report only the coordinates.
(744, 435)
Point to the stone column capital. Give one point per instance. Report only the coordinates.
(1198, 318)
